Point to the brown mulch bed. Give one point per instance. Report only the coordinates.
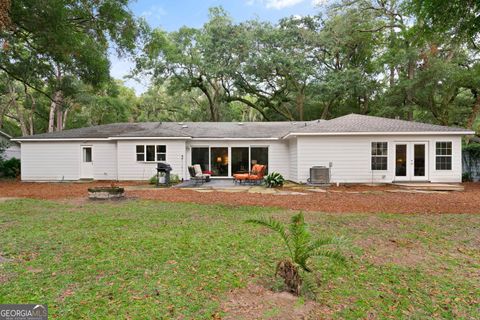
(336, 200)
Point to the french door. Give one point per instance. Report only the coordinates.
(411, 161)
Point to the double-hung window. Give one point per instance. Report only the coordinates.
(151, 153)
(379, 155)
(443, 155)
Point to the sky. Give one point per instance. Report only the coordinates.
(171, 15)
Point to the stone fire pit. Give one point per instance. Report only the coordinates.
(105, 193)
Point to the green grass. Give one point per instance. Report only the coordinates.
(153, 260)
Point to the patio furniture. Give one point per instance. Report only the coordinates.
(200, 173)
(254, 177)
(196, 174)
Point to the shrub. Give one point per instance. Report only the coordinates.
(174, 179)
(467, 177)
(10, 168)
(274, 179)
(301, 247)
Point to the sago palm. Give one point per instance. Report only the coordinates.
(301, 248)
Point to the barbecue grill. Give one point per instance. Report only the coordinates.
(163, 171)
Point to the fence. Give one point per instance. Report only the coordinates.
(471, 165)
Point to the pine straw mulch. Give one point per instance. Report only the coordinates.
(355, 198)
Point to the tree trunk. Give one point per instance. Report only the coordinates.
(20, 115)
(410, 75)
(32, 111)
(300, 101)
(475, 110)
(64, 121)
(51, 115)
(326, 110)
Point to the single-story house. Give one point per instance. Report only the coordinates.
(356, 148)
(12, 149)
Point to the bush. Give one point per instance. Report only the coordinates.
(467, 177)
(10, 168)
(274, 179)
(174, 179)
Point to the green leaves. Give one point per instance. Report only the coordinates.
(298, 240)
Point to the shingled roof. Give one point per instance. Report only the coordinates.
(356, 123)
(248, 130)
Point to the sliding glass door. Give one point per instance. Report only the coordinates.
(219, 162)
(201, 156)
(259, 155)
(240, 160)
(226, 161)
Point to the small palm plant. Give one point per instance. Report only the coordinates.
(301, 248)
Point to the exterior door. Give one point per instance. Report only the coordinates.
(411, 161)
(86, 164)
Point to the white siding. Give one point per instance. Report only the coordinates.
(351, 157)
(42, 161)
(131, 169)
(104, 160)
(278, 159)
(293, 152)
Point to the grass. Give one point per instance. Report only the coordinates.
(153, 260)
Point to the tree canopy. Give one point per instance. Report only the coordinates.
(411, 59)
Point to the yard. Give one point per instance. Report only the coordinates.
(146, 259)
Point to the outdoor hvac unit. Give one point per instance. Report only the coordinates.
(319, 175)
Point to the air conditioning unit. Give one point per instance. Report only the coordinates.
(319, 175)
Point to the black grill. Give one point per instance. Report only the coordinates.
(163, 169)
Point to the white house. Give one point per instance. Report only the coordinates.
(357, 148)
(12, 149)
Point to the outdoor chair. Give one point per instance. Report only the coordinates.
(254, 177)
(197, 179)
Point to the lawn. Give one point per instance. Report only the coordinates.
(153, 260)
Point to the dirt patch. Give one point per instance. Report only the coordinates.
(393, 251)
(256, 302)
(354, 198)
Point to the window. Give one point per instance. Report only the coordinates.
(443, 155)
(140, 153)
(151, 153)
(87, 154)
(379, 155)
(161, 153)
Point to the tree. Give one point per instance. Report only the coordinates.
(51, 43)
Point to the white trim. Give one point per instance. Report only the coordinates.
(149, 138)
(390, 133)
(234, 139)
(61, 140)
(103, 139)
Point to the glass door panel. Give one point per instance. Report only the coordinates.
(219, 162)
(239, 160)
(259, 155)
(200, 156)
(401, 160)
(419, 160)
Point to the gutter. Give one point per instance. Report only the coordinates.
(424, 133)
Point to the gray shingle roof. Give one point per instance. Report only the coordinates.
(361, 124)
(224, 130)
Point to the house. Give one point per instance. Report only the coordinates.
(12, 147)
(357, 148)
